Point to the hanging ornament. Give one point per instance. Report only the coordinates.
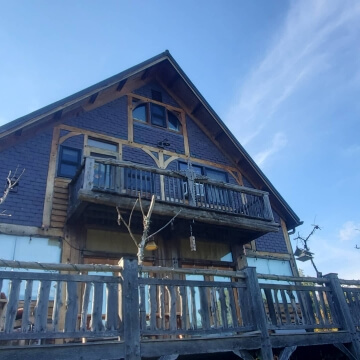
(192, 240)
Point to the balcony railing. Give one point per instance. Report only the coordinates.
(174, 187)
(135, 305)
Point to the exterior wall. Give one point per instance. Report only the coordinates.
(201, 147)
(272, 242)
(109, 119)
(150, 135)
(26, 203)
(146, 92)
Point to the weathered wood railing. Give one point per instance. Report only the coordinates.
(300, 304)
(38, 305)
(126, 178)
(136, 304)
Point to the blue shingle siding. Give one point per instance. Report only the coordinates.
(246, 182)
(146, 92)
(109, 119)
(272, 242)
(150, 135)
(201, 146)
(76, 142)
(27, 203)
(137, 156)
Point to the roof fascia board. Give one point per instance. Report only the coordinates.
(84, 94)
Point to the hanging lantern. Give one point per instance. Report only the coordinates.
(192, 243)
(151, 245)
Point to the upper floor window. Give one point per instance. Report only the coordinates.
(69, 161)
(157, 115)
(214, 174)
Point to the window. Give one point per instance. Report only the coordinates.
(156, 115)
(69, 161)
(102, 144)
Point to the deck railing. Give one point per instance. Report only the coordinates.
(135, 303)
(175, 187)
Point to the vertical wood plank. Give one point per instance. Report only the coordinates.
(25, 321)
(12, 305)
(223, 309)
(153, 306)
(204, 307)
(184, 305)
(142, 308)
(317, 308)
(258, 312)
(172, 310)
(285, 307)
(193, 318)
(213, 306)
(130, 308)
(162, 306)
(323, 310)
(271, 307)
(96, 316)
(71, 306)
(84, 307)
(233, 307)
(42, 304)
(58, 304)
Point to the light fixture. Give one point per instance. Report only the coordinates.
(163, 144)
(151, 245)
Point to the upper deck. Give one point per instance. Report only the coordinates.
(118, 183)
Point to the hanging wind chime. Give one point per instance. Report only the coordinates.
(192, 240)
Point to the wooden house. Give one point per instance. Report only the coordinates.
(147, 134)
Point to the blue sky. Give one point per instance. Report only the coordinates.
(283, 75)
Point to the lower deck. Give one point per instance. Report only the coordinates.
(136, 312)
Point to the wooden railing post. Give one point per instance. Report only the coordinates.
(258, 311)
(130, 308)
(343, 311)
(89, 173)
(267, 208)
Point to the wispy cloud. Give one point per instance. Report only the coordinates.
(349, 231)
(279, 141)
(306, 45)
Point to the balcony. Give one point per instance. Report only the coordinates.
(134, 312)
(117, 183)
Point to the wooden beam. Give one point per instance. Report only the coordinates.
(121, 85)
(258, 227)
(344, 350)
(50, 179)
(172, 81)
(58, 114)
(145, 74)
(21, 230)
(243, 354)
(169, 357)
(286, 352)
(196, 108)
(93, 98)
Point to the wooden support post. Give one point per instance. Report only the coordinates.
(258, 311)
(267, 206)
(287, 352)
(89, 173)
(243, 354)
(130, 308)
(343, 311)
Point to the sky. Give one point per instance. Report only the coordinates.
(283, 75)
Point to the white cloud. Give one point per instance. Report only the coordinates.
(349, 231)
(306, 45)
(279, 141)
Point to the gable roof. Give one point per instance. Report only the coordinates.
(164, 69)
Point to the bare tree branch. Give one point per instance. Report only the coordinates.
(169, 222)
(120, 218)
(11, 181)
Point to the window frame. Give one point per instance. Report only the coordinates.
(148, 104)
(204, 170)
(62, 161)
